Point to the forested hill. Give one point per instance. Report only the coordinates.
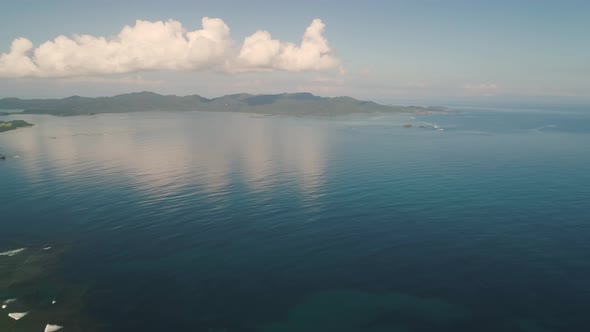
(286, 103)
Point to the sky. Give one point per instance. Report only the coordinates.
(389, 51)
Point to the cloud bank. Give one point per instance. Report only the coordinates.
(149, 46)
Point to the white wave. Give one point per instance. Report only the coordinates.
(7, 302)
(12, 252)
(52, 328)
(17, 315)
(550, 126)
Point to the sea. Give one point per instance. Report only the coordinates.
(476, 220)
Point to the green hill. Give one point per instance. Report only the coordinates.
(286, 103)
(12, 125)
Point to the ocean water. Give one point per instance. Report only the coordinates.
(235, 222)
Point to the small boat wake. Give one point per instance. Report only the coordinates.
(11, 253)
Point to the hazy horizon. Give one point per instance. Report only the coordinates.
(385, 51)
(504, 102)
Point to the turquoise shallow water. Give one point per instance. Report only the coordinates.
(234, 222)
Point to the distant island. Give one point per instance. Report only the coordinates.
(297, 104)
(12, 125)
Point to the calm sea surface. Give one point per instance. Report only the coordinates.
(235, 222)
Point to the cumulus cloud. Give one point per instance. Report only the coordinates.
(260, 51)
(110, 80)
(167, 46)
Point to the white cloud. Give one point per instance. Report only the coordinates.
(481, 87)
(260, 52)
(17, 63)
(137, 80)
(167, 46)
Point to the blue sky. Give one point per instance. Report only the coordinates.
(386, 50)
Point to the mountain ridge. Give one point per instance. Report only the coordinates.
(300, 103)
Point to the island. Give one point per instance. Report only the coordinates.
(12, 125)
(296, 104)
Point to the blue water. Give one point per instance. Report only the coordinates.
(234, 222)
